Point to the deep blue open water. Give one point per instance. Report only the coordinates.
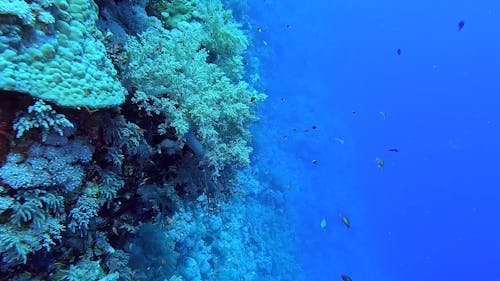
(433, 211)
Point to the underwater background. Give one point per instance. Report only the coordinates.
(431, 213)
(249, 140)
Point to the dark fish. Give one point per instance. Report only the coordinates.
(283, 99)
(259, 29)
(393, 150)
(345, 221)
(252, 99)
(354, 112)
(314, 127)
(288, 26)
(345, 277)
(460, 25)
(398, 51)
(314, 161)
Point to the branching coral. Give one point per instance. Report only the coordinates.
(180, 84)
(48, 165)
(86, 209)
(35, 224)
(43, 116)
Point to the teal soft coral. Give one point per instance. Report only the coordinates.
(180, 83)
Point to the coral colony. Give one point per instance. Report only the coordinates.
(125, 145)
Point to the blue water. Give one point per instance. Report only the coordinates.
(432, 212)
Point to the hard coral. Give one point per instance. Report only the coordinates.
(53, 51)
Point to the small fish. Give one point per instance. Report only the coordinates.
(144, 181)
(252, 99)
(285, 137)
(339, 140)
(383, 114)
(354, 112)
(323, 223)
(314, 127)
(393, 150)
(398, 51)
(314, 161)
(288, 26)
(345, 221)
(380, 162)
(289, 186)
(259, 29)
(460, 25)
(345, 277)
(283, 99)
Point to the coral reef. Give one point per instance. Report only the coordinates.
(123, 129)
(41, 115)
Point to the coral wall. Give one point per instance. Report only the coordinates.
(123, 129)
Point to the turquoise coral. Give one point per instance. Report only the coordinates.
(64, 61)
(129, 189)
(43, 116)
(191, 93)
(172, 12)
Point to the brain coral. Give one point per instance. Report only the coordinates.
(51, 49)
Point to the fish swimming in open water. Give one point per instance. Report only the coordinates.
(323, 223)
(345, 277)
(380, 163)
(345, 221)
